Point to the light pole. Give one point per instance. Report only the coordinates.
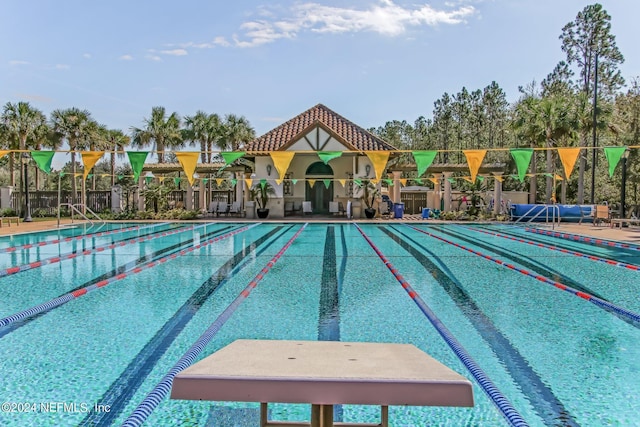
(27, 203)
(595, 134)
(623, 188)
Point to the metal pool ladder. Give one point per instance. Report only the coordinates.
(545, 209)
(74, 208)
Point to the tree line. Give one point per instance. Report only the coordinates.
(556, 112)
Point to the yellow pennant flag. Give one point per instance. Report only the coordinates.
(248, 181)
(161, 179)
(375, 181)
(343, 182)
(311, 182)
(435, 181)
(568, 157)
(4, 153)
(379, 160)
(219, 181)
(281, 160)
(499, 177)
(474, 159)
(403, 181)
(559, 178)
(89, 159)
(188, 160)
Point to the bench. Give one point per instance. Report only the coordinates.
(8, 219)
(621, 221)
(323, 374)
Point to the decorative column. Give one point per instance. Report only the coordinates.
(436, 192)
(189, 199)
(141, 184)
(202, 200)
(239, 188)
(497, 192)
(447, 191)
(396, 186)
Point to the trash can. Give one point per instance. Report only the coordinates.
(425, 213)
(398, 210)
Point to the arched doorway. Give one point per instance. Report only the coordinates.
(319, 195)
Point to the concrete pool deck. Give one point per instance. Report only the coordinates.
(627, 234)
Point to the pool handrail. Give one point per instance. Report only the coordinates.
(545, 209)
(74, 208)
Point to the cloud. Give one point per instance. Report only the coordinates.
(62, 67)
(385, 18)
(16, 62)
(34, 98)
(175, 52)
(126, 57)
(152, 57)
(86, 55)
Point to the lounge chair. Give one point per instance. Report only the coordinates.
(297, 206)
(288, 208)
(235, 209)
(213, 208)
(334, 208)
(223, 208)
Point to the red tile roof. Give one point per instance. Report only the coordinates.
(350, 134)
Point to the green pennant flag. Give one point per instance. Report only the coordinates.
(522, 157)
(388, 181)
(62, 173)
(120, 177)
(176, 180)
(326, 156)
(137, 159)
(294, 180)
(613, 155)
(90, 175)
(205, 180)
(358, 182)
(423, 160)
(43, 159)
(263, 182)
(480, 178)
(327, 183)
(148, 179)
(230, 156)
(234, 181)
(451, 180)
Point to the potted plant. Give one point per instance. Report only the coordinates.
(369, 197)
(261, 194)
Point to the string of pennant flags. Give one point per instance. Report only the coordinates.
(282, 159)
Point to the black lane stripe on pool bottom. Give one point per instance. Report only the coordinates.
(126, 385)
(329, 317)
(119, 270)
(525, 261)
(541, 397)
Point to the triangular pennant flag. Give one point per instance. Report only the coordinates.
(75, 175)
(358, 182)
(263, 182)
(474, 159)
(248, 181)
(148, 179)
(451, 180)
(161, 179)
(423, 160)
(480, 178)
(176, 180)
(90, 175)
(311, 182)
(42, 158)
(234, 182)
(613, 155)
(434, 180)
(388, 181)
(230, 156)
(294, 180)
(219, 181)
(559, 178)
(4, 153)
(89, 159)
(137, 159)
(375, 181)
(327, 183)
(522, 157)
(568, 157)
(188, 160)
(281, 160)
(403, 181)
(205, 180)
(327, 156)
(343, 182)
(499, 177)
(379, 160)
(119, 176)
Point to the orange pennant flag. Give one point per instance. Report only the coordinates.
(435, 181)
(188, 160)
(248, 181)
(379, 160)
(4, 153)
(89, 159)
(568, 157)
(474, 159)
(403, 181)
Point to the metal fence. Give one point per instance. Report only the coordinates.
(414, 202)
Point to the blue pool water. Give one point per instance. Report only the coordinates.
(152, 290)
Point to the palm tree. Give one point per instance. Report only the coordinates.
(116, 141)
(22, 124)
(237, 132)
(205, 129)
(161, 131)
(527, 127)
(76, 127)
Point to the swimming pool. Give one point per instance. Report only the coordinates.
(91, 322)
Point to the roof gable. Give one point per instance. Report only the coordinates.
(351, 135)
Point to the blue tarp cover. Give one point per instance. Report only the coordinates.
(567, 212)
